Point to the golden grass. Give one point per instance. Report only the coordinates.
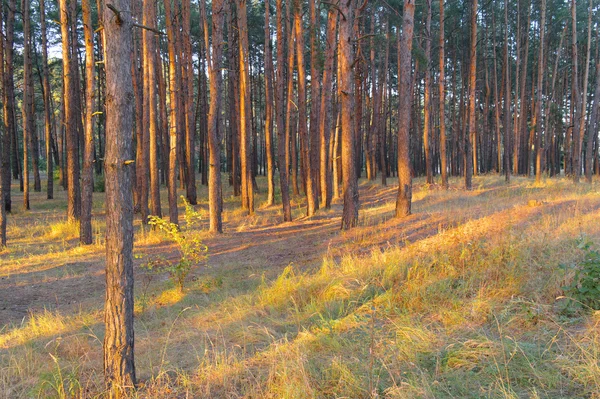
(458, 300)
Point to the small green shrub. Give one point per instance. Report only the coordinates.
(192, 251)
(585, 287)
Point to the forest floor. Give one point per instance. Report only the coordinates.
(463, 299)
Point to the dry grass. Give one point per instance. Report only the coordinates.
(457, 301)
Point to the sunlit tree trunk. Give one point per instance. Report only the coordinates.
(282, 131)
(470, 138)
(538, 104)
(427, 97)
(507, 112)
(174, 83)
(87, 184)
(119, 366)
(245, 109)
(403, 203)
(325, 111)
(346, 77)
(311, 205)
(215, 200)
(269, 109)
(69, 74)
(150, 81)
(442, 90)
(576, 99)
(4, 144)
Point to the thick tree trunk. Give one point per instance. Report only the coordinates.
(150, 78)
(442, 93)
(174, 83)
(87, 184)
(427, 98)
(269, 109)
(346, 77)
(245, 109)
(71, 136)
(470, 138)
(403, 203)
(8, 104)
(27, 105)
(311, 198)
(325, 111)
(538, 104)
(576, 98)
(119, 366)
(506, 98)
(215, 200)
(282, 129)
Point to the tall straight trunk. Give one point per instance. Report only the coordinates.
(311, 199)
(582, 100)
(72, 142)
(8, 104)
(442, 93)
(521, 127)
(506, 98)
(576, 99)
(164, 119)
(188, 103)
(313, 140)
(403, 203)
(470, 164)
(87, 184)
(282, 131)
(47, 106)
(150, 80)
(174, 83)
(427, 98)
(119, 366)
(289, 123)
(269, 109)
(383, 164)
(4, 144)
(515, 114)
(346, 61)
(325, 111)
(538, 104)
(215, 200)
(27, 105)
(245, 109)
(141, 133)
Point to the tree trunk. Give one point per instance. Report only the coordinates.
(269, 109)
(174, 83)
(576, 98)
(245, 109)
(427, 98)
(538, 105)
(150, 77)
(119, 366)
(442, 93)
(47, 109)
(215, 200)
(282, 129)
(87, 184)
(27, 105)
(325, 111)
(346, 77)
(71, 136)
(311, 198)
(470, 159)
(506, 98)
(403, 203)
